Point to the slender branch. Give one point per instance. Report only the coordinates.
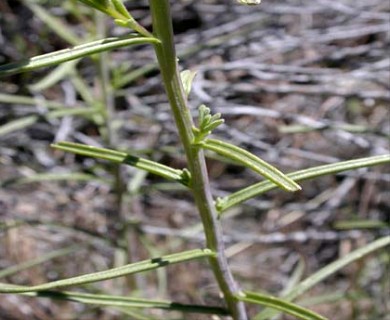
(166, 55)
(111, 137)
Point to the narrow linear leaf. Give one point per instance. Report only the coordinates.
(112, 8)
(251, 161)
(133, 75)
(279, 304)
(17, 124)
(134, 25)
(126, 302)
(55, 76)
(113, 273)
(333, 267)
(69, 176)
(54, 23)
(327, 271)
(361, 224)
(122, 157)
(28, 121)
(41, 177)
(212, 43)
(120, 8)
(97, 4)
(25, 100)
(25, 122)
(259, 188)
(295, 277)
(84, 90)
(135, 314)
(77, 52)
(87, 112)
(332, 298)
(34, 262)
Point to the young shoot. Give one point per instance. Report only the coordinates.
(207, 123)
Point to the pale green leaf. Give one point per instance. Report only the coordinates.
(55, 76)
(137, 267)
(325, 272)
(361, 224)
(101, 5)
(17, 124)
(53, 22)
(30, 101)
(259, 188)
(127, 302)
(77, 52)
(119, 7)
(187, 77)
(125, 158)
(279, 304)
(39, 260)
(252, 162)
(71, 176)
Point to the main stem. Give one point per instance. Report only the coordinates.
(166, 55)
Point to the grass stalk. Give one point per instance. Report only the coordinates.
(167, 59)
(108, 109)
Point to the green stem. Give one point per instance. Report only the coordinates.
(110, 135)
(167, 59)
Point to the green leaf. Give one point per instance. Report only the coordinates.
(41, 177)
(116, 9)
(101, 5)
(53, 22)
(126, 302)
(187, 77)
(59, 113)
(252, 162)
(279, 304)
(17, 124)
(55, 76)
(119, 7)
(112, 273)
(210, 122)
(259, 188)
(295, 277)
(325, 272)
(112, 8)
(135, 314)
(25, 100)
(25, 122)
(204, 113)
(134, 25)
(41, 259)
(125, 158)
(206, 124)
(76, 52)
(361, 224)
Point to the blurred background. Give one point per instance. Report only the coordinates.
(299, 83)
